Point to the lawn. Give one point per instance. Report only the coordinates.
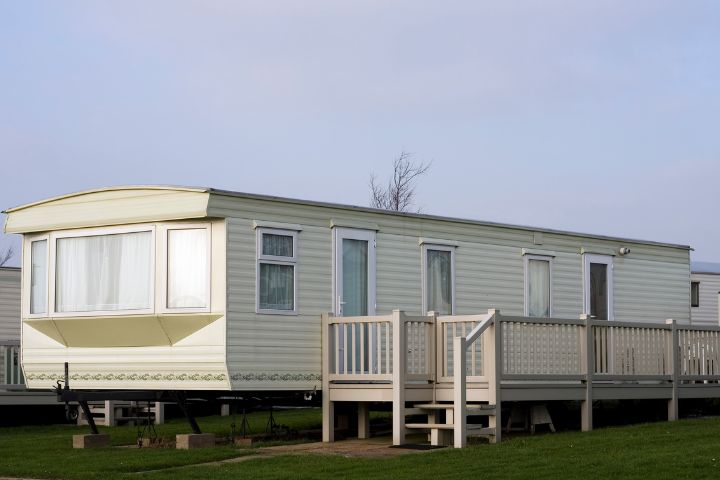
(684, 449)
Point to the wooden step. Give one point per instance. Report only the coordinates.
(430, 426)
(478, 431)
(472, 409)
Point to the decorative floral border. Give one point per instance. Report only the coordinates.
(130, 377)
(276, 377)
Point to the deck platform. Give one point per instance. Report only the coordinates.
(410, 361)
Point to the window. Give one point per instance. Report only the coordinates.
(38, 277)
(188, 268)
(694, 294)
(277, 257)
(538, 286)
(439, 279)
(104, 272)
(598, 286)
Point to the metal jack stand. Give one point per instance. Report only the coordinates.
(271, 426)
(147, 429)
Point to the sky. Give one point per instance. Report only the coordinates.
(598, 116)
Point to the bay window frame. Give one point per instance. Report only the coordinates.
(27, 277)
(163, 247)
(261, 258)
(94, 232)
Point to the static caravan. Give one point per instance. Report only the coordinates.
(172, 288)
(11, 374)
(705, 293)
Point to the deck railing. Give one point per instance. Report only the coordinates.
(533, 349)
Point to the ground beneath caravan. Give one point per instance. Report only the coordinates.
(684, 449)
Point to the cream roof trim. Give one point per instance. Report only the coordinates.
(109, 206)
(105, 189)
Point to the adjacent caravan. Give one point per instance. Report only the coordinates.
(705, 293)
(151, 288)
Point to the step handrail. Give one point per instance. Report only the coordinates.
(479, 329)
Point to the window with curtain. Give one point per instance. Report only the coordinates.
(439, 280)
(38, 277)
(276, 270)
(104, 272)
(537, 276)
(187, 268)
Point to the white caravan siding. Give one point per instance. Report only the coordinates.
(10, 304)
(268, 352)
(707, 312)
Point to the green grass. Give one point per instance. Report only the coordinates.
(684, 449)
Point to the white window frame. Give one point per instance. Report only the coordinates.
(27, 277)
(526, 264)
(90, 232)
(589, 258)
(423, 262)
(161, 301)
(338, 234)
(275, 260)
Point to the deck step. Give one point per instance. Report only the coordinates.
(430, 426)
(478, 431)
(472, 408)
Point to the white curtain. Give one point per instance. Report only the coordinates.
(104, 272)
(38, 277)
(538, 288)
(187, 268)
(277, 286)
(439, 281)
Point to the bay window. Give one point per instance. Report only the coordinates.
(140, 269)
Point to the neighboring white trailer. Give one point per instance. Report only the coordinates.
(200, 289)
(705, 293)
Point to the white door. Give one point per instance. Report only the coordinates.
(598, 288)
(354, 295)
(354, 272)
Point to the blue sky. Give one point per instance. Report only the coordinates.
(600, 117)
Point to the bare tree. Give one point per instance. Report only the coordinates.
(7, 255)
(399, 193)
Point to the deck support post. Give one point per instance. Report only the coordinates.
(399, 357)
(588, 365)
(328, 407)
(673, 355)
(459, 392)
(363, 416)
(493, 347)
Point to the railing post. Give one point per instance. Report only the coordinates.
(399, 354)
(432, 349)
(495, 377)
(459, 392)
(675, 362)
(587, 345)
(328, 407)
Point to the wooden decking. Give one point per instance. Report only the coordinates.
(411, 362)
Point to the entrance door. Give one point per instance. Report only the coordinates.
(598, 291)
(354, 272)
(354, 296)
